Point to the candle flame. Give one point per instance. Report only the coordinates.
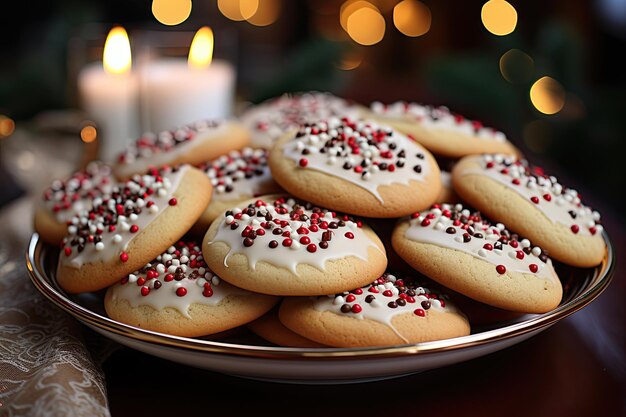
(116, 58)
(201, 51)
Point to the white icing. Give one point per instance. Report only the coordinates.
(436, 118)
(370, 177)
(378, 310)
(561, 201)
(290, 257)
(271, 119)
(430, 232)
(165, 296)
(155, 150)
(115, 242)
(446, 179)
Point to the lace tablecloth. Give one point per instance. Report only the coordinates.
(49, 363)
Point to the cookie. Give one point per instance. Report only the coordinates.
(270, 328)
(192, 144)
(466, 253)
(236, 177)
(357, 167)
(533, 204)
(269, 120)
(282, 246)
(177, 294)
(447, 193)
(441, 131)
(63, 199)
(124, 231)
(388, 312)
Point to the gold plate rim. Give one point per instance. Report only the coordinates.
(601, 279)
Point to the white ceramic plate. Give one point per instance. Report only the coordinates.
(253, 359)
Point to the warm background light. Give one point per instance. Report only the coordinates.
(412, 17)
(266, 13)
(231, 9)
(547, 95)
(366, 25)
(516, 66)
(88, 134)
(350, 60)
(499, 17)
(248, 8)
(116, 57)
(349, 7)
(171, 12)
(201, 50)
(7, 126)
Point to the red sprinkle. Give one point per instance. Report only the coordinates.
(501, 269)
(488, 246)
(356, 308)
(172, 202)
(349, 235)
(520, 254)
(350, 298)
(305, 240)
(287, 242)
(68, 251)
(387, 293)
(145, 291)
(533, 268)
(123, 257)
(134, 228)
(547, 197)
(303, 162)
(311, 248)
(419, 312)
(181, 291)
(534, 200)
(425, 222)
(575, 228)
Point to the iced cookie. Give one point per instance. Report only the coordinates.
(389, 311)
(192, 144)
(441, 131)
(533, 204)
(268, 121)
(282, 246)
(484, 261)
(63, 199)
(270, 328)
(177, 294)
(357, 167)
(236, 177)
(124, 231)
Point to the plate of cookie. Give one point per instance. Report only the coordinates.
(319, 248)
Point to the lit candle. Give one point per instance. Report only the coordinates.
(175, 91)
(109, 93)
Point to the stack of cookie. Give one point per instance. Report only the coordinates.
(318, 222)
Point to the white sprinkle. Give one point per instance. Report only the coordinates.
(99, 246)
(339, 300)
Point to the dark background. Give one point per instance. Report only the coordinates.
(577, 42)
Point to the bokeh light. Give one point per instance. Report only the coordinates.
(366, 26)
(266, 13)
(412, 18)
(516, 66)
(499, 17)
(116, 57)
(351, 60)
(547, 95)
(231, 9)
(171, 12)
(349, 7)
(88, 134)
(7, 126)
(248, 8)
